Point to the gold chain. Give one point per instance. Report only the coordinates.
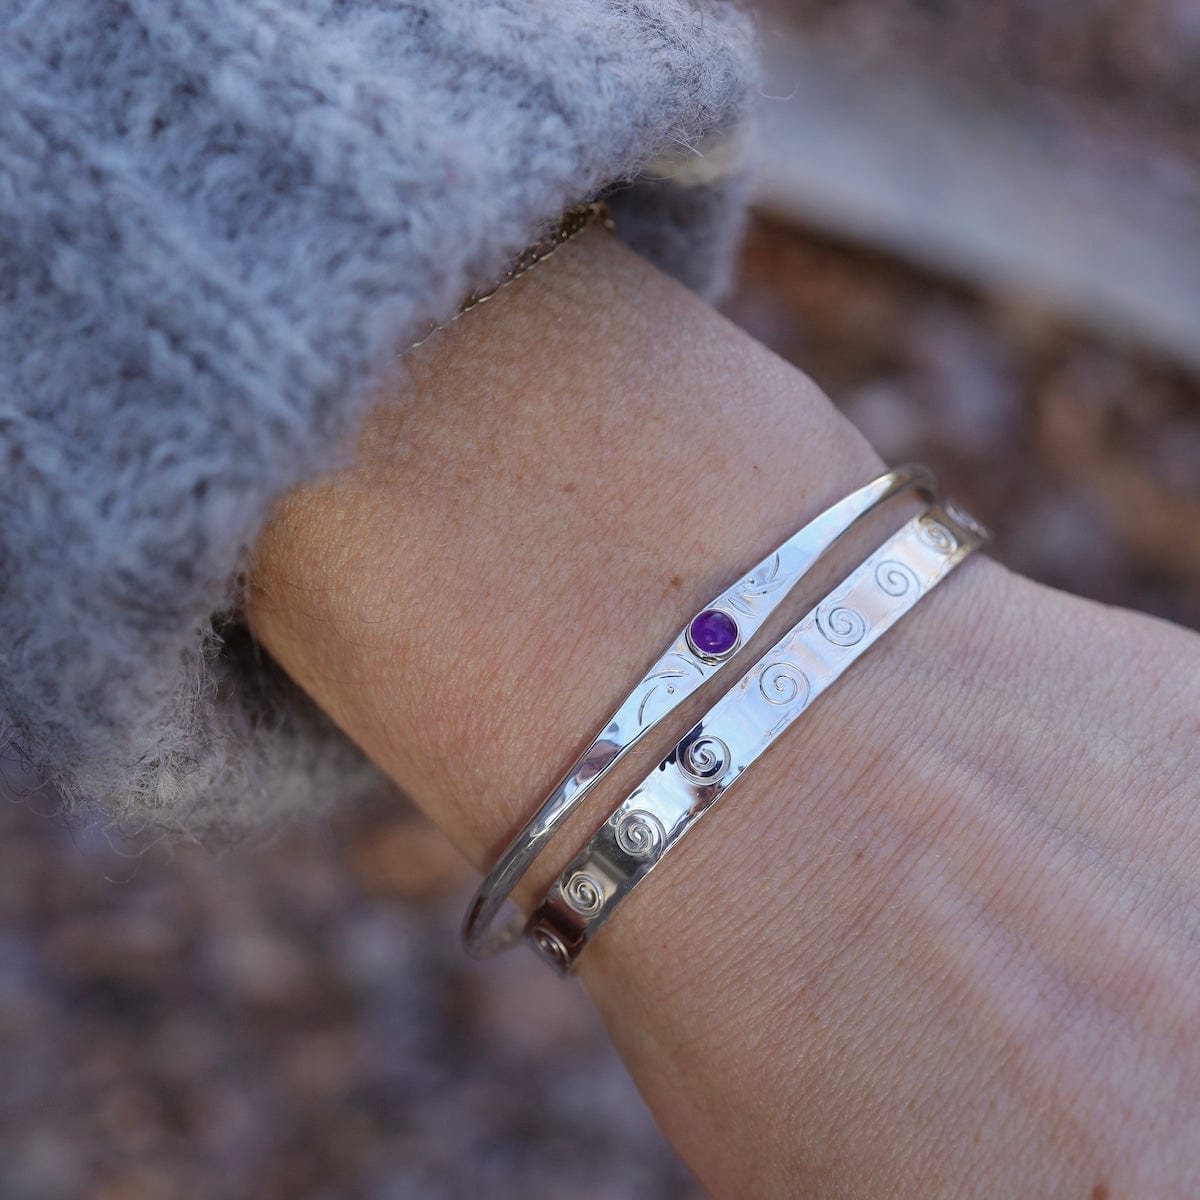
(574, 221)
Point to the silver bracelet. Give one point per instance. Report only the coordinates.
(711, 639)
(715, 752)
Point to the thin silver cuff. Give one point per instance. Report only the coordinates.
(715, 752)
(492, 921)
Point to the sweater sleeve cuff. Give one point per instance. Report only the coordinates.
(219, 220)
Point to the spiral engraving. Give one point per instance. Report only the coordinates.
(705, 759)
(583, 894)
(549, 943)
(935, 534)
(840, 625)
(783, 683)
(895, 579)
(640, 834)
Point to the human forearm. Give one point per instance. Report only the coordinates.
(801, 989)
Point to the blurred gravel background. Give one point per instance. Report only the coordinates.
(296, 1021)
(1081, 454)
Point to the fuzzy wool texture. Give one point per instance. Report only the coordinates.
(220, 220)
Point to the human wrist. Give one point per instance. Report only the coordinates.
(552, 517)
(577, 467)
(573, 471)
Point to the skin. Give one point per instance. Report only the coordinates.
(944, 938)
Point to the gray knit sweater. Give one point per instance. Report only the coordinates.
(219, 222)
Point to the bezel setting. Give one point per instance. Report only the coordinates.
(708, 648)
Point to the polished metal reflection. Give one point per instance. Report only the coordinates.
(714, 753)
(493, 922)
